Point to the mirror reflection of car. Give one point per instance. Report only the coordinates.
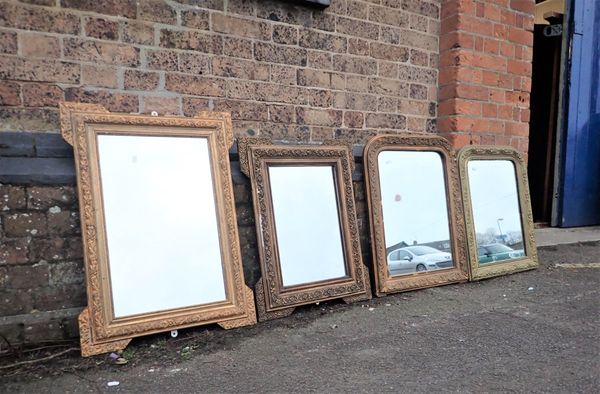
(417, 258)
(496, 252)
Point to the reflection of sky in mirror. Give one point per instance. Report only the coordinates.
(493, 187)
(413, 194)
(161, 223)
(307, 223)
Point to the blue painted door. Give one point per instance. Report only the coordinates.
(579, 193)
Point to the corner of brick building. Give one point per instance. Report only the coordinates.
(486, 50)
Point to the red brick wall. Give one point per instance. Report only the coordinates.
(485, 72)
(286, 71)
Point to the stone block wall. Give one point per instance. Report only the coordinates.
(288, 71)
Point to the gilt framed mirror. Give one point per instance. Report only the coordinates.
(497, 211)
(306, 225)
(161, 248)
(417, 226)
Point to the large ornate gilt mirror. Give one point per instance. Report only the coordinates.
(417, 229)
(158, 221)
(306, 225)
(497, 211)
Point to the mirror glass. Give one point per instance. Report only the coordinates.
(415, 211)
(307, 223)
(496, 212)
(161, 223)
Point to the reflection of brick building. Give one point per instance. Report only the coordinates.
(287, 71)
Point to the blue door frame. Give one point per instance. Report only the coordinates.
(578, 191)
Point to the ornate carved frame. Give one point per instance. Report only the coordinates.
(100, 331)
(384, 283)
(273, 300)
(530, 260)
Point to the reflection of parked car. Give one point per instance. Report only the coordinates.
(417, 258)
(495, 252)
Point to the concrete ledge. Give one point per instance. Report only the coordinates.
(559, 236)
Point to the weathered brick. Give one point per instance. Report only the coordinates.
(103, 29)
(40, 70)
(282, 94)
(126, 8)
(389, 52)
(390, 35)
(357, 83)
(192, 84)
(237, 68)
(320, 98)
(285, 34)
(418, 22)
(354, 136)
(388, 16)
(28, 119)
(14, 251)
(42, 95)
(318, 117)
(354, 119)
(318, 59)
(192, 40)
(8, 42)
(195, 19)
(37, 18)
(59, 297)
(284, 75)
(282, 113)
(390, 87)
(422, 75)
(355, 101)
(417, 6)
(279, 54)
(243, 7)
(387, 104)
(10, 93)
(415, 124)
(135, 32)
(278, 11)
(25, 224)
(285, 132)
(101, 76)
(157, 11)
(212, 4)
(162, 105)
(239, 89)
(323, 21)
(419, 58)
(388, 69)
(237, 47)
(385, 121)
(66, 273)
(117, 102)
(418, 91)
(55, 249)
(12, 197)
(28, 276)
(357, 28)
(140, 80)
(101, 52)
(39, 45)
(15, 302)
(355, 65)
(322, 79)
(194, 63)
(358, 46)
(419, 40)
(162, 60)
(241, 27)
(243, 110)
(412, 107)
(62, 222)
(322, 41)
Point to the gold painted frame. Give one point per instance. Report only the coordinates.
(530, 260)
(384, 282)
(272, 299)
(100, 331)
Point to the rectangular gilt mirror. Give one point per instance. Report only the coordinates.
(306, 225)
(158, 221)
(497, 211)
(417, 229)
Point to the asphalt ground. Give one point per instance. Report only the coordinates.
(534, 332)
